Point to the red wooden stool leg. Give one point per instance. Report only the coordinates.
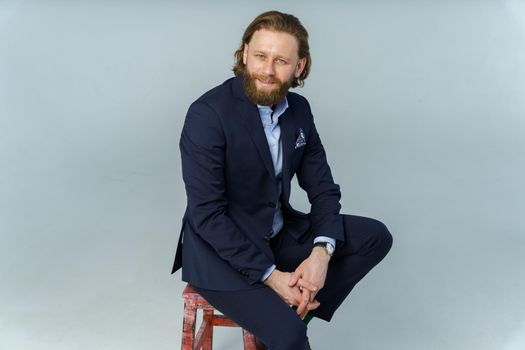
(208, 336)
(203, 339)
(188, 326)
(249, 340)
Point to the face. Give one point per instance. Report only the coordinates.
(272, 62)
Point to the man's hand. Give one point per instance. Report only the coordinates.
(312, 272)
(299, 294)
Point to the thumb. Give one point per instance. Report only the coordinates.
(293, 279)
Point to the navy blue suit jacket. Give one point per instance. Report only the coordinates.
(231, 188)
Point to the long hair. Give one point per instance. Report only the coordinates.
(280, 22)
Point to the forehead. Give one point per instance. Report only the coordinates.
(273, 42)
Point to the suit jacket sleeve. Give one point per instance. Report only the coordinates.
(203, 146)
(315, 177)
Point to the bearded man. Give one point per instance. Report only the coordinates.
(265, 265)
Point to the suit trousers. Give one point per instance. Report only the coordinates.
(269, 318)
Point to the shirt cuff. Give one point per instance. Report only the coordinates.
(268, 273)
(324, 239)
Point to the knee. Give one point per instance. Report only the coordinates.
(383, 237)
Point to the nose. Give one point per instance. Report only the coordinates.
(268, 68)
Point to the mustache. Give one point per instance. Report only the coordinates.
(267, 78)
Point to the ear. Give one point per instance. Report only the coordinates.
(245, 54)
(300, 67)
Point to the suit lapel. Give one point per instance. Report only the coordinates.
(254, 128)
(288, 142)
(252, 122)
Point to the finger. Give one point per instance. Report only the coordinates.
(302, 307)
(307, 308)
(301, 282)
(302, 300)
(305, 295)
(293, 279)
(313, 305)
(303, 315)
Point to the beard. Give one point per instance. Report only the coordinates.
(265, 97)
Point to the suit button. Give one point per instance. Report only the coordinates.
(268, 236)
(271, 204)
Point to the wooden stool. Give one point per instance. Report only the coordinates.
(204, 339)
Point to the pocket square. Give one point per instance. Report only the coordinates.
(301, 139)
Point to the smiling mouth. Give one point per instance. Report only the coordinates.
(267, 83)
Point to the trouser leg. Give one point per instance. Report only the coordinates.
(268, 317)
(262, 312)
(367, 241)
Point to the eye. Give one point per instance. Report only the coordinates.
(281, 61)
(259, 56)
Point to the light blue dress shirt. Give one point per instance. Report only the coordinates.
(272, 130)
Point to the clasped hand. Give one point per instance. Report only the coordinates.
(300, 287)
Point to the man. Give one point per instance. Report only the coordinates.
(242, 245)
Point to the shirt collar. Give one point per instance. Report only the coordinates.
(279, 109)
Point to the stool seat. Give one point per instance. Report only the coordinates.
(193, 301)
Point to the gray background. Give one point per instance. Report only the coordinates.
(421, 108)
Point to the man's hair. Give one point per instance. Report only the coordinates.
(280, 22)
